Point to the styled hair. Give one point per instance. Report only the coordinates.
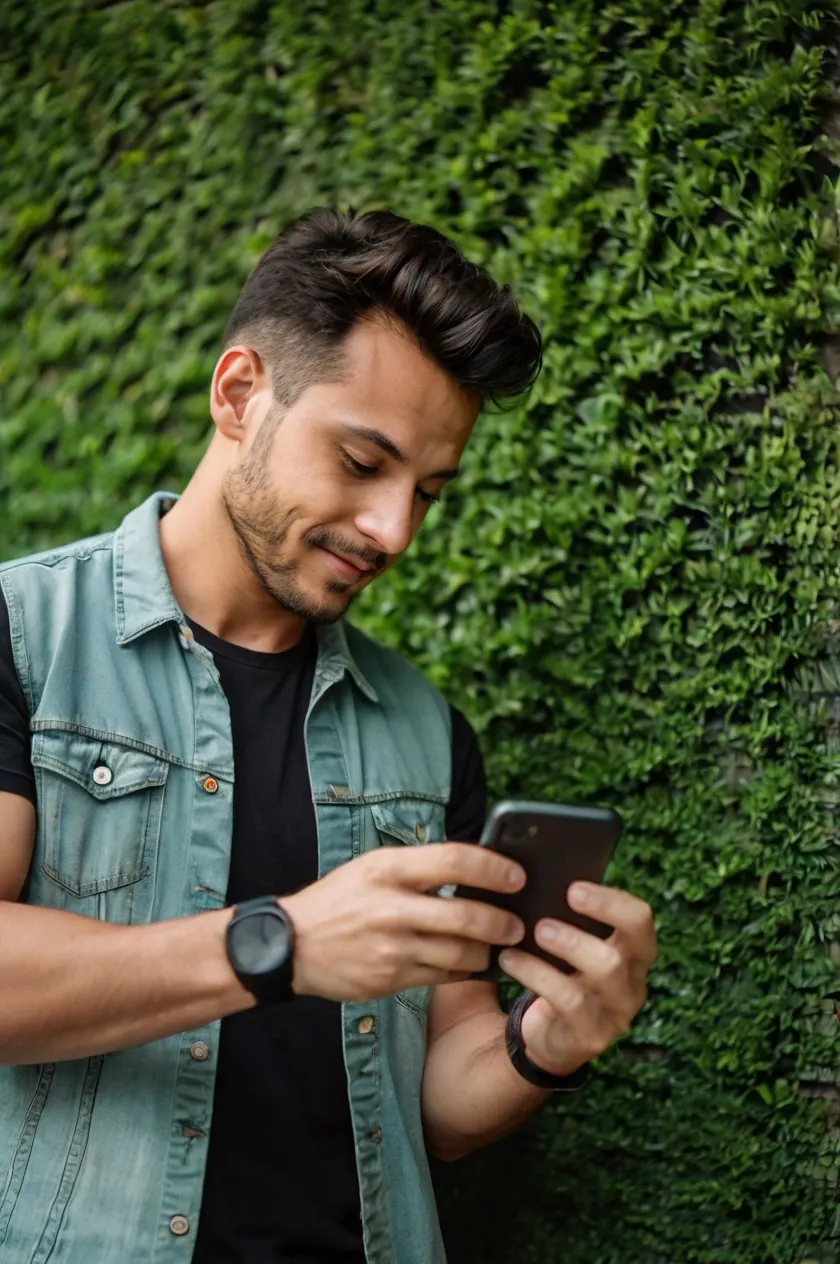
(328, 270)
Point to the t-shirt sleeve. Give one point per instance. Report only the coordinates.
(468, 800)
(16, 774)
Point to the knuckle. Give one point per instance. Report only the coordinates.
(576, 1002)
(498, 865)
(382, 862)
(472, 923)
(513, 930)
(454, 856)
(387, 956)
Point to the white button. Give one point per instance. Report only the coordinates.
(199, 1051)
(103, 776)
(179, 1225)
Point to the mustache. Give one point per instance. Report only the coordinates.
(322, 538)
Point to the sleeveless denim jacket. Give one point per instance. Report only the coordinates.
(102, 1158)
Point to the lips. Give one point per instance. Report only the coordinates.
(350, 568)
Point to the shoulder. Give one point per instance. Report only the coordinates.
(57, 566)
(382, 663)
(63, 557)
(62, 580)
(393, 677)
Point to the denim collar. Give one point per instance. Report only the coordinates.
(144, 598)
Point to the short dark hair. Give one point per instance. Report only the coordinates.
(329, 269)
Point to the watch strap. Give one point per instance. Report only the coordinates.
(273, 985)
(522, 1063)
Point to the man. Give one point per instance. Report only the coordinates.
(219, 802)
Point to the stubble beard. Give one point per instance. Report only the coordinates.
(262, 527)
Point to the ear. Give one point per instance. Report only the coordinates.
(240, 390)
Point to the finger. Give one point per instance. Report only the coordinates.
(439, 864)
(564, 993)
(629, 915)
(431, 976)
(445, 952)
(602, 962)
(465, 919)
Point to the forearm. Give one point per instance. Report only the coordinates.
(472, 1094)
(72, 986)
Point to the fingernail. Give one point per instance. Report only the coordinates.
(550, 931)
(579, 894)
(515, 877)
(506, 961)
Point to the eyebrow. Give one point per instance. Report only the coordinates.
(387, 445)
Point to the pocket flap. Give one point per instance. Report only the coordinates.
(407, 820)
(105, 769)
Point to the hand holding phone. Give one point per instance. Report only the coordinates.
(556, 846)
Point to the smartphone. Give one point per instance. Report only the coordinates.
(556, 845)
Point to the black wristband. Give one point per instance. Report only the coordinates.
(523, 1064)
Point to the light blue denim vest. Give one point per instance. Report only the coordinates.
(102, 1159)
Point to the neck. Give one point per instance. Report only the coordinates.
(212, 580)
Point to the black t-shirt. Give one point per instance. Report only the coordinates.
(281, 1182)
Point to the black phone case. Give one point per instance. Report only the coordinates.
(556, 845)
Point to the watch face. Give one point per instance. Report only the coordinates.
(260, 942)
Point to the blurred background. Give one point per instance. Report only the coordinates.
(632, 592)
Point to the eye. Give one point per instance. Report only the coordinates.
(427, 497)
(356, 467)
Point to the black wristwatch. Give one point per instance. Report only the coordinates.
(523, 1064)
(261, 948)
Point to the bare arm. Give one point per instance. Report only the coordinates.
(472, 1094)
(72, 986)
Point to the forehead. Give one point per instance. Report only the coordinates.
(387, 383)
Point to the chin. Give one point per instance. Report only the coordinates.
(328, 612)
(326, 606)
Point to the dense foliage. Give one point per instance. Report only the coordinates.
(632, 589)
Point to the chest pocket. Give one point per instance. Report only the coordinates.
(411, 822)
(99, 812)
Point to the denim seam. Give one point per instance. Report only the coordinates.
(23, 1146)
(418, 1013)
(73, 1161)
(385, 796)
(19, 644)
(120, 739)
(101, 793)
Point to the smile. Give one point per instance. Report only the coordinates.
(347, 569)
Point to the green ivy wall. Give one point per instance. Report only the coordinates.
(632, 591)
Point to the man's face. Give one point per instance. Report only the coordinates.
(328, 494)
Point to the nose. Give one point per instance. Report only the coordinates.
(387, 520)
